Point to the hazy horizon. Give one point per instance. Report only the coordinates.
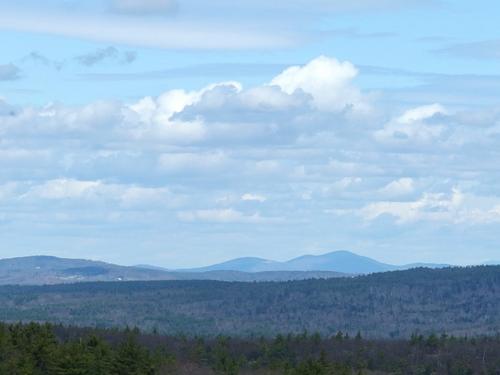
(182, 133)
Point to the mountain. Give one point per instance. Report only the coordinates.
(456, 301)
(337, 261)
(37, 270)
(247, 264)
(40, 270)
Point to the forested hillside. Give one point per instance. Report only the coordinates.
(56, 350)
(459, 301)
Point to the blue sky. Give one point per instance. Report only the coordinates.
(181, 133)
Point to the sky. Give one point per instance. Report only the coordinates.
(181, 133)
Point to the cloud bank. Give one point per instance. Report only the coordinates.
(306, 152)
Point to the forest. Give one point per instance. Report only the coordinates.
(57, 350)
(453, 301)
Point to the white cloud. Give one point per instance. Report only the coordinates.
(182, 162)
(160, 110)
(218, 113)
(399, 187)
(421, 113)
(136, 31)
(347, 182)
(266, 167)
(170, 132)
(154, 117)
(328, 80)
(431, 206)
(175, 101)
(98, 192)
(253, 197)
(61, 121)
(138, 196)
(227, 148)
(65, 189)
(455, 207)
(413, 126)
(268, 98)
(227, 215)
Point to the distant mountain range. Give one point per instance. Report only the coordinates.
(42, 270)
(39, 270)
(51, 270)
(337, 261)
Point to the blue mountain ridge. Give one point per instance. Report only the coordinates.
(337, 261)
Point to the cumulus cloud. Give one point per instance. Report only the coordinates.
(413, 126)
(328, 80)
(218, 154)
(218, 113)
(156, 116)
(163, 108)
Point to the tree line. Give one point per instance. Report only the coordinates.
(44, 349)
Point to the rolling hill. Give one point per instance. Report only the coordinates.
(52, 270)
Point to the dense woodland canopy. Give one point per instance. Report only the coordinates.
(35, 349)
(458, 301)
